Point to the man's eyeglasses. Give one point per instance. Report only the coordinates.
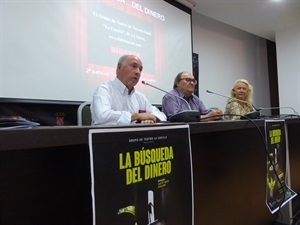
(189, 80)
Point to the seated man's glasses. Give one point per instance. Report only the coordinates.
(189, 80)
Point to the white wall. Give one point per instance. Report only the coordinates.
(288, 62)
(226, 54)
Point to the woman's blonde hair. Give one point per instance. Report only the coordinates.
(249, 93)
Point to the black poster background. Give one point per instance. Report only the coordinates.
(173, 191)
(277, 193)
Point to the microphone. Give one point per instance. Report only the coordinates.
(252, 115)
(183, 116)
(188, 105)
(296, 113)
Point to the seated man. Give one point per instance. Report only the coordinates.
(118, 103)
(184, 87)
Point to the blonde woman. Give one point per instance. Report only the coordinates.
(241, 90)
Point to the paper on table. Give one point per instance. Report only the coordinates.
(13, 123)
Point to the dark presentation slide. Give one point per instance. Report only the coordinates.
(62, 50)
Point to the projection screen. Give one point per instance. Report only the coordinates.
(62, 50)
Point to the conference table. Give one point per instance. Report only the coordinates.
(45, 173)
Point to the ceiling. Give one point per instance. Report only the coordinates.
(260, 17)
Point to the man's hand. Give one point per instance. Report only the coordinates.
(143, 117)
(215, 114)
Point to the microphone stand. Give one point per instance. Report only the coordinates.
(183, 116)
(252, 115)
(296, 113)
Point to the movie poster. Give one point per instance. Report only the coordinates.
(278, 193)
(142, 175)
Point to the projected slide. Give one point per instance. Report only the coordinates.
(63, 50)
(111, 31)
